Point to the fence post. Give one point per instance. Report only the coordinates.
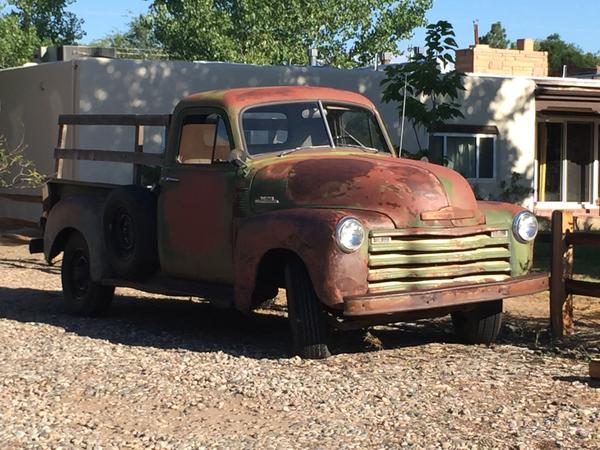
(561, 302)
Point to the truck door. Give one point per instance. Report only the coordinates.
(195, 212)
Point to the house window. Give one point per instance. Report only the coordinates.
(471, 155)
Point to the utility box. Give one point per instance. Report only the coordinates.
(71, 52)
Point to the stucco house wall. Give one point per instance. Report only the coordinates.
(31, 98)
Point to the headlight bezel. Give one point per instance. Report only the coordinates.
(341, 227)
(516, 227)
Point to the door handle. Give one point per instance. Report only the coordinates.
(170, 179)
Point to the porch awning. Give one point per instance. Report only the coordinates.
(569, 100)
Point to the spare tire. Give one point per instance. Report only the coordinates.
(130, 231)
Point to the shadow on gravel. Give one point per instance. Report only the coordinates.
(200, 327)
(594, 384)
(534, 333)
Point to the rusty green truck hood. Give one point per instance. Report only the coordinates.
(399, 188)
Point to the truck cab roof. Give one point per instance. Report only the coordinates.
(235, 100)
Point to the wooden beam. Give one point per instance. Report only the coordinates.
(561, 303)
(138, 148)
(146, 159)
(25, 198)
(583, 238)
(595, 369)
(579, 287)
(58, 163)
(159, 120)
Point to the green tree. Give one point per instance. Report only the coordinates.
(429, 89)
(562, 53)
(347, 33)
(53, 24)
(138, 41)
(16, 44)
(496, 37)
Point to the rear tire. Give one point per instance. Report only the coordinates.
(480, 325)
(82, 295)
(130, 231)
(308, 323)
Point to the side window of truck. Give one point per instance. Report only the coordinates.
(204, 139)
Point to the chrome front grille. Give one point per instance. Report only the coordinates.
(401, 262)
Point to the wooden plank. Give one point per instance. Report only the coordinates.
(583, 238)
(561, 304)
(579, 287)
(62, 136)
(159, 120)
(138, 148)
(147, 159)
(25, 198)
(595, 369)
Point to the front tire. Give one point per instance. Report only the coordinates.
(308, 323)
(82, 295)
(480, 325)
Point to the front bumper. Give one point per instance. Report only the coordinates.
(391, 303)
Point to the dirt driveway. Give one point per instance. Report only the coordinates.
(165, 373)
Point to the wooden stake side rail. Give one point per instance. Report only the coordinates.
(155, 120)
(137, 157)
(562, 284)
(148, 159)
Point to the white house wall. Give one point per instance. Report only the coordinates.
(146, 87)
(31, 98)
(509, 104)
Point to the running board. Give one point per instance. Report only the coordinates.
(220, 295)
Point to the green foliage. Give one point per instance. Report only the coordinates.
(16, 170)
(50, 20)
(138, 41)
(28, 24)
(347, 33)
(496, 37)
(16, 45)
(562, 53)
(430, 93)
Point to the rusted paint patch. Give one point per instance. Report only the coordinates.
(399, 188)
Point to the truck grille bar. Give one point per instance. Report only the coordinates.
(400, 262)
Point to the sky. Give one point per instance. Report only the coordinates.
(575, 20)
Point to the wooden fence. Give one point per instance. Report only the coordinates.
(137, 156)
(562, 284)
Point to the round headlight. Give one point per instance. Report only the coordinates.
(349, 234)
(525, 226)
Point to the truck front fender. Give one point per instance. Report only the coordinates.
(310, 235)
(82, 214)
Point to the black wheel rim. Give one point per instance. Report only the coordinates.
(123, 231)
(80, 275)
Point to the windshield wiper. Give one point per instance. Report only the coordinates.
(302, 147)
(359, 144)
(363, 148)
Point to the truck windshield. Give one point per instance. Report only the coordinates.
(285, 127)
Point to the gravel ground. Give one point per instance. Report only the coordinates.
(164, 373)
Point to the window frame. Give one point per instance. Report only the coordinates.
(200, 111)
(386, 137)
(478, 137)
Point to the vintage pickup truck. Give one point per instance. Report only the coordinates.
(288, 187)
